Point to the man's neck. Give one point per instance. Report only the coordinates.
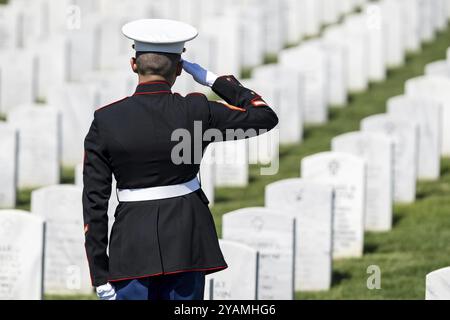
(143, 79)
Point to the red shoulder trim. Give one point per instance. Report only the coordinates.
(154, 92)
(112, 103)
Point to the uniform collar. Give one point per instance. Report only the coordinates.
(153, 87)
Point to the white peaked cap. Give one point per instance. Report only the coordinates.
(159, 35)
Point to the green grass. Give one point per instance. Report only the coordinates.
(67, 175)
(419, 241)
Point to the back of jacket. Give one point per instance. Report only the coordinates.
(138, 141)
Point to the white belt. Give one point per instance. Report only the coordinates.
(158, 193)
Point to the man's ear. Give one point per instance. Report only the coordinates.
(179, 67)
(133, 65)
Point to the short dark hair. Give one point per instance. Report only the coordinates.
(160, 64)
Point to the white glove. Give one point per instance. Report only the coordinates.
(106, 292)
(201, 75)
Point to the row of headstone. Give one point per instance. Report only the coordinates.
(81, 30)
(309, 78)
(64, 41)
(346, 58)
(351, 189)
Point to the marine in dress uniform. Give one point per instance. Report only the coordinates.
(163, 240)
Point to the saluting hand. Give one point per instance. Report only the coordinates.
(200, 75)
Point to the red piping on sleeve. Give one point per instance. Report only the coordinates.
(229, 106)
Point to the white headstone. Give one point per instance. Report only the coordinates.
(231, 160)
(310, 16)
(10, 17)
(438, 285)
(39, 145)
(21, 255)
(31, 24)
(427, 32)
(52, 64)
(275, 24)
(312, 206)
(336, 56)
(437, 88)
(230, 284)
(225, 28)
(66, 268)
(378, 150)
(346, 173)
(77, 103)
(427, 114)
(405, 136)
(82, 49)
(330, 11)
(253, 35)
(112, 43)
(263, 149)
(8, 165)
(448, 10)
(312, 63)
(411, 16)
(289, 103)
(438, 68)
(293, 12)
(112, 85)
(440, 14)
(337, 74)
(356, 47)
(376, 31)
(273, 235)
(357, 39)
(16, 90)
(207, 175)
(394, 19)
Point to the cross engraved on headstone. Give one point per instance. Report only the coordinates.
(258, 224)
(334, 167)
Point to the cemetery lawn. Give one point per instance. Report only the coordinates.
(420, 240)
